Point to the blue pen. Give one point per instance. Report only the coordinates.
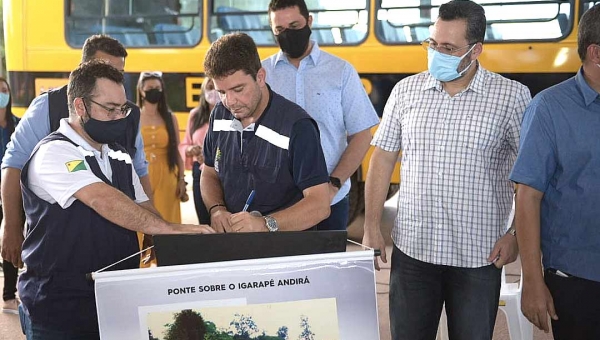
(249, 200)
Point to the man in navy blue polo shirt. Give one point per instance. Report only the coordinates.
(558, 171)
(261, 143)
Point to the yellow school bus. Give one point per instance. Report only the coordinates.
(532, 41)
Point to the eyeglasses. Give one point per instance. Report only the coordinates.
(124, 110)
(427, 44)
(149, 74)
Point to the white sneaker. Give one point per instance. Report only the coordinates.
(10, 307)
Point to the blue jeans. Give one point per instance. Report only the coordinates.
(37, 332)
(418, 291)
(338, 218)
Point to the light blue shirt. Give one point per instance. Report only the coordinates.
(560, 156)
(35, 125)
(329, 89)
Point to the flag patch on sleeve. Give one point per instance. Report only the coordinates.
(73, 166)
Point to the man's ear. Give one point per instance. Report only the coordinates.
(79, 107)
(593, 53)
(261, 76)
(310, 20)
(477, 50)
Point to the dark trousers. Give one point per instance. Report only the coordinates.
(418, 291)
(201, 211)
(577, 304)
(37, 332)
(338, 218)
(10, 275)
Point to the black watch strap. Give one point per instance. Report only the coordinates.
(335, 182)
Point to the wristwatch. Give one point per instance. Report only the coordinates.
(271, 223)
(512, 231)
(335, 182)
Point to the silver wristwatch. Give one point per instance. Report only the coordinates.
(271, 223)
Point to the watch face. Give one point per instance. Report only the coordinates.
(271, 223)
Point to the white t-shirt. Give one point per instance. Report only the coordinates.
(58, 169)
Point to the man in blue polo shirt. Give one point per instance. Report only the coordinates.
(558, 198)
(330, 91)
(259, 145)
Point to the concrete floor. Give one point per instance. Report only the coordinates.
(10, 328)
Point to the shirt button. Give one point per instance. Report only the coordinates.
(440, 173)
(439, 226)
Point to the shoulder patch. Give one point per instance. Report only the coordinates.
(77, 165)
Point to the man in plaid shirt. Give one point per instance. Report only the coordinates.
(457, 126)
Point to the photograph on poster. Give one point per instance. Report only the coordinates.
(296, 320)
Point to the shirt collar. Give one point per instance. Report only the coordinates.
(589, 94)
(477, 84)
(68, 131)
(313, 56)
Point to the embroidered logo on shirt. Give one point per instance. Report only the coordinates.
(73, 166)
(217, 159)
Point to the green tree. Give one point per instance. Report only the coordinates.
(307, 333)
(188, 325)
(244, 327)
(282, 333)
(212, 333)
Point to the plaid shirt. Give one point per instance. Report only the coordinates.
(457, 152)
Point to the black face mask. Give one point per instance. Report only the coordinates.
(105, 132)
(294, 42)
(153, 95)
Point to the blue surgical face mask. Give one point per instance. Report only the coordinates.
(444, 67)
(4, 97)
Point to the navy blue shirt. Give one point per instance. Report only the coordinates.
(291, 148)
(559, 155)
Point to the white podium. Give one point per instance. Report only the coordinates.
(329, 296)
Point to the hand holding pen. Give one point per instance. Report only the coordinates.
(245, 221)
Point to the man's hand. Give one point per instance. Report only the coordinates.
(244, 222)
(374, 239)
(332, 192)
(537, 304)
(505, 251)
(219, 220)
(200, 228)
(12, 243)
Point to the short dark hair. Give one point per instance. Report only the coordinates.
(469, 11)
(103, 43)
(276, 5)
(589, 31)
(82, 80)
(231, 53)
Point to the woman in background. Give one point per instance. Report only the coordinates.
(160, 132)
(191, 146)
(8, 122)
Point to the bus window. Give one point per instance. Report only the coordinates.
(409, 21)
(135, 23)
(335, 22)
(587, 4)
